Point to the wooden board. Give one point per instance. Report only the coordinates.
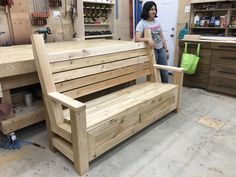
(210, 122)
(21, 25)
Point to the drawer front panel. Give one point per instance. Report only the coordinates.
(125, 124)
(199, 79)
(222, 85)
(224, 57)
(223, 71)
(224, 46)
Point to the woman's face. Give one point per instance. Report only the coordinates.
(152, 12)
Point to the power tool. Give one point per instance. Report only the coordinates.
(45, 32)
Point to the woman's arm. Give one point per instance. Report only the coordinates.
(164, 44)
(163, 41)
(139, 38)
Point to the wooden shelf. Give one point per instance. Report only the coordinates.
(88, 25)
(222, 13)
(28, 117)
(96, 2)
(210, 10)
(208, 28)
(99, 24)
(98, 36)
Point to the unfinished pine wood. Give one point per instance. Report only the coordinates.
(17, 63)
(21, 25)
(79, 142)
(80, 82)
(90, 61)
(72, 74)
(28, 117)
(83, 131)
(19, 81)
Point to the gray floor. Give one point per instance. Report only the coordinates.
(176, 146)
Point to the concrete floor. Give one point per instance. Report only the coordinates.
(176, 146)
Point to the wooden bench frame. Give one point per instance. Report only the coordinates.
(76, 145)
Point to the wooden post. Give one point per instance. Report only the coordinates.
(178, 80)
(79, 141)
(155, 73)
(6, 99)
(43, 69)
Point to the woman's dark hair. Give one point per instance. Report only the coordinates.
(147, 6)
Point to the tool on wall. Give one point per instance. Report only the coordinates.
(45, 32)
(55, 3)
(40, 14)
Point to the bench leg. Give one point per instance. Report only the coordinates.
(49, 130)
(178, 79)
(79, 141)
(177, 110)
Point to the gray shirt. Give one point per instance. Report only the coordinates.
(155, 27)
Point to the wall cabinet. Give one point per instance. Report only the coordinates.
(98, 18)
(213, 18)
(216, 70)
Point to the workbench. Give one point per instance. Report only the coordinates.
(216, 69)
(17, 69)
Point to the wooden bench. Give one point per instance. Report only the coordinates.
(86, 130)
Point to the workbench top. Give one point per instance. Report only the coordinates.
(19, 59)
(211, 39)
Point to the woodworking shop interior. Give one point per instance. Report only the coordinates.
(117, 88)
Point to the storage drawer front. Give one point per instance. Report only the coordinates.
(125, 124)
(199, 79)
(224, 46)
(224, 57)
(222, 85)
(223, 71)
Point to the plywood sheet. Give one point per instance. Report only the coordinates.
(19, 14)
(210, 122)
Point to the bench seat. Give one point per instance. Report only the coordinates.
(103, 109)
(115, 114)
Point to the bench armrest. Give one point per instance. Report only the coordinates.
(178, 80)
(67, 101)
(170, 68)
(178, 73)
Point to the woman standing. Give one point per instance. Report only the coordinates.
(149, 21)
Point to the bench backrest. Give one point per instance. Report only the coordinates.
(88, 68)
(91, 68)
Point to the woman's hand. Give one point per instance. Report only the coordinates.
(151, 43)
(167, 55)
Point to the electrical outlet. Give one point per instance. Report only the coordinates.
(56, 14)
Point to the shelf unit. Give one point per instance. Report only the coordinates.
(16, 81)
(27, 117)
(98, 17)
(224, 12)
(98, 36)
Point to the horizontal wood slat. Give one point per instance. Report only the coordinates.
(93, 51)
(72, 74)
(80, 82)
(106, 84)
(90, 61)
